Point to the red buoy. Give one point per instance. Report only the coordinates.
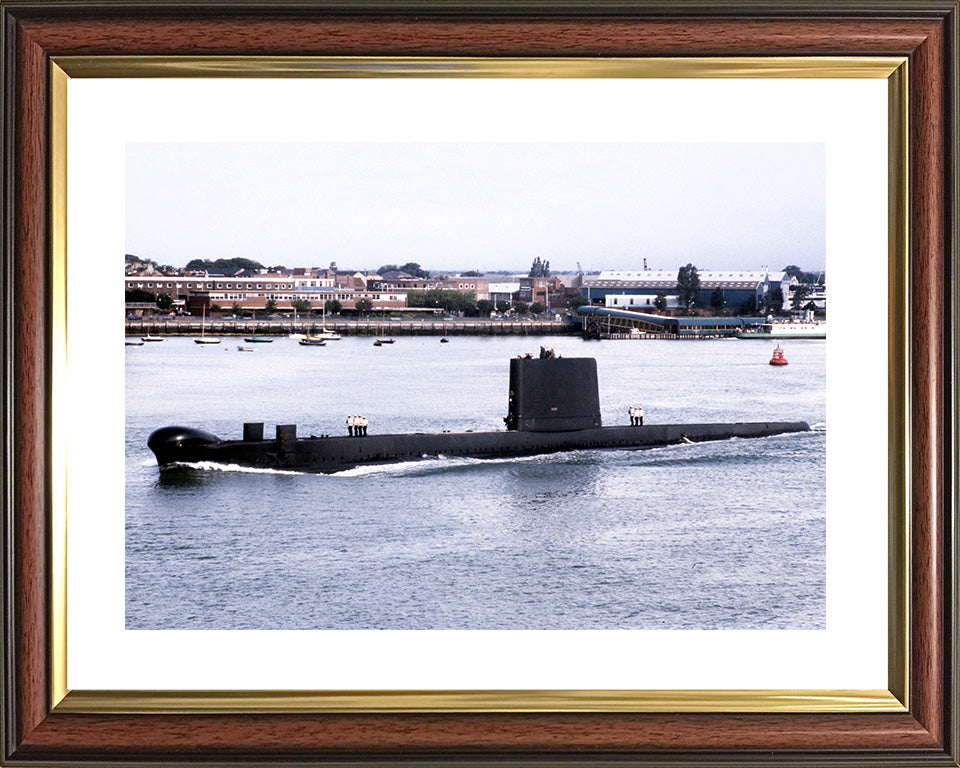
(778, 358)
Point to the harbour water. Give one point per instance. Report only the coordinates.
(726, 535)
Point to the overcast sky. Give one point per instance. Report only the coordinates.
(480, 206)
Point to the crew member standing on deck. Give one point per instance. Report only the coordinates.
(363, 425)
(632, 413)
(639, 415)
(350, 425)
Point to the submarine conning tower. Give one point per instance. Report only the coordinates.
(553, 394)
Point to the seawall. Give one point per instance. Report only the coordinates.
(229, 326)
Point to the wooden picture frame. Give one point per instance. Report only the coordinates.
(37, 731)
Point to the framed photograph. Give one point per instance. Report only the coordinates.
(771, 580)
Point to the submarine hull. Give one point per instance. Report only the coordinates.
(176, 446)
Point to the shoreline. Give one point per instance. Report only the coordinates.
(279, 327)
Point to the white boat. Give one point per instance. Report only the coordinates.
(148, 337)
(297, 336)
(326, 334)
(786, 330)
(204, 339)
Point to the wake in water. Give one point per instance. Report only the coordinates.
(442, 463)
(213, 466)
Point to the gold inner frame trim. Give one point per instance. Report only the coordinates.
(58, 369)
(898, 415)
(428, 66)
(894, 69)
(233, 702)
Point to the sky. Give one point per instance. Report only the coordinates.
(486, 206)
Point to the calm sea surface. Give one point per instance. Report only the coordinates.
(706, 536)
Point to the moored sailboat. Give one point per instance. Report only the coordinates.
(204, 339)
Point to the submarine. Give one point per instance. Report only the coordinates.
(553, 405)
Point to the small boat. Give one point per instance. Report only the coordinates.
(204, 339)
(244, 349)
(326, 334)
(148, 337)
(257, 339)
(444, 340)
(133, 343)
(297, 336)
(778, 358)
(312, 341)
(381, 339)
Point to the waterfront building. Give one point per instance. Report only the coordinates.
(478, 289)
(503, 291)
(737, 286)
(193, 292)
(540, 290)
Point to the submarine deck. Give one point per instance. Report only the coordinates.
(331, 454)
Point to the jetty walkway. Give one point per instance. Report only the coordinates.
(233, 326)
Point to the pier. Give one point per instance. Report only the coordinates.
(236, 326)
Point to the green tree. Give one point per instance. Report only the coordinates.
(138, 295)
(332, 307)
(224, 265)
(414, 270)
(574, 302)
(520, 307)
(411, 268)
(363, 306)
(799, 294)
(503, 306)
(470, 273)
(773, 301)
(660, 301)
(537, 308)
(717, 301)
(236, 309)
(301, 306)
(484, 307)
(270, 307)
(803, 277)
(688, 286)
(539, 268)
(749, 306)
(439, 298)
(165, 301)
(215, 309)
